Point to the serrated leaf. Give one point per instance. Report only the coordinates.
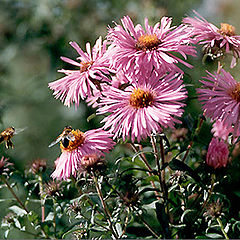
(19, 211)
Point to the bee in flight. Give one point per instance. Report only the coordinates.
(64, 137)
(7, 134)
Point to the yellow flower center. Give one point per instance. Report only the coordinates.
(78, 141)
(140, 98)
(85, 65)
(147, 42)
(235, 93)
(227, 30)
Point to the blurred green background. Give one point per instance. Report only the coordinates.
(33, 36)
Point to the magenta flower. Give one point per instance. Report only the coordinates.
(93, 70)
(94, 141)
(221, 131)
(216, 41)
(144, 107)
(136, 50)
(221, 99)
(217, 155)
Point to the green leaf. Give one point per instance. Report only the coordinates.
(33, 218)
(92, 116)
(185, 213)
(6, 233)
(19, 211)
(176, 164)
(163, 219)
(50, 217)
(119, 229)
(214, 235)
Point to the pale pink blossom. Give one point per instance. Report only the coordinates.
(138, 51)
(95, 141)
(220, 97)
(218, 153)
(78, 84)
(220, 130)
(145, 107)
(216, 41)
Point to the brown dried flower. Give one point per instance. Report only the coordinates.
(39, 165)
(52, 189)
(91, 162)
(214, 209)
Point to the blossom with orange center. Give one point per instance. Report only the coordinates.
(92, 71)
(220, 97)
(227, 29)
(147, 42)
(140, 98)
(95, 141)
(145, 107)
(137, 51)
(216, 42)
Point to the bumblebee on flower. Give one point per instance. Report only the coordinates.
(75, 145)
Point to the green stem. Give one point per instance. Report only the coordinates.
(40, 180)
(144, 160)
(147, 225)
(54, 218)
(222, 228)
(191, 142)
(107, 213)
(13, 193)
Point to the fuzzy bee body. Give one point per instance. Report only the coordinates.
(65, 137)
(7, 134)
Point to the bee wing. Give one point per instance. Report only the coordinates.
(55, 141)
(70, 137)
(18, 130)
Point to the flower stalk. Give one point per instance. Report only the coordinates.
(13, 193)
(222, 228)
(40, 180)
(105, 208)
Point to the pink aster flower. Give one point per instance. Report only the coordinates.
(216, 41)
(137, 50)
(220, 97)
(93, 70)
(217, 155)
(220, 130)
(144, 107)
(120, 80)
(75, 145)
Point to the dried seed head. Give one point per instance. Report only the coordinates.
(214, 209)
(38, 166)
(75, 207)
(52, 189)
(91, 162)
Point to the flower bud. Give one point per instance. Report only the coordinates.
(218, 154)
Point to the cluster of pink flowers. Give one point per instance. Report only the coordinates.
(135, 80)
